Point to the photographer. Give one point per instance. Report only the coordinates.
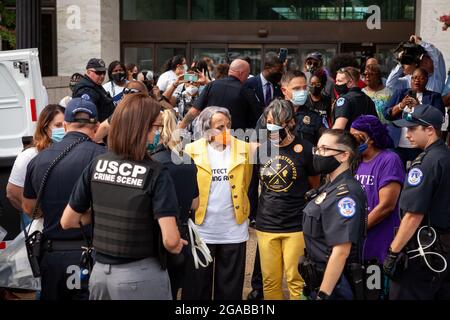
(417, 54)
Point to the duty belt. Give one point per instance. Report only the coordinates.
(63, 245)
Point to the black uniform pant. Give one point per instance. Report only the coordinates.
(257, 281)
(225, 274)
(418, 282)
(58, 278)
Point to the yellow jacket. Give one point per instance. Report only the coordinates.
(239, 174)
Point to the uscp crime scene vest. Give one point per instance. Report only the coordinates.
(124, 225)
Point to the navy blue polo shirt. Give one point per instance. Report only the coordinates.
(60, 183)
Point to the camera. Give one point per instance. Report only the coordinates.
(409, 53)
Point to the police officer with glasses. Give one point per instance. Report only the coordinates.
(334, 222)
(418, 257)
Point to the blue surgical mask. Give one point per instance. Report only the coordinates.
(58, 134)
(152, 146)
(363, 147)
(273, 127)
(299, 97)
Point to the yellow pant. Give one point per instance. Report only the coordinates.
(278, 250)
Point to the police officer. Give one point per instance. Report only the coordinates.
(90, 88)
(425, 204)
(131, 195)
(62, 248)
(334, 222)
(308, 123)
(352, 101)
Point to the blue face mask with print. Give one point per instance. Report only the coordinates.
(152, 146)
(58, 134)
(363, 147)
(299, 97)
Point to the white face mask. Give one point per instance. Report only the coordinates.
(185, 68)
(192, 91)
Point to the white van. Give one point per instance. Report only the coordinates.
(22, 97)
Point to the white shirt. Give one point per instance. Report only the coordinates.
(220, 226)
(166, 79)
(113, 89)
(19, 169)
(264, 84)
(404, 143)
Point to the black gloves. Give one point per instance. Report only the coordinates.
(395, 263)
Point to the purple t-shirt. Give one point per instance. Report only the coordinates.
(385, 168)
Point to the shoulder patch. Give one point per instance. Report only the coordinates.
(415, 177)
(86, 97)
(347, 207)
(340, 102)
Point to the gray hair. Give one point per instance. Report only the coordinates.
(204, 119)
(282, 111)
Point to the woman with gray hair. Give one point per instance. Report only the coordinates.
(285, 176)
(224, 171)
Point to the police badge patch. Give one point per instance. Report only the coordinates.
(86, 97)
(347, 207)
(340, 102)
(415, 177)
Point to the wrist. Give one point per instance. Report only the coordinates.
(322, 296)
(393, 252)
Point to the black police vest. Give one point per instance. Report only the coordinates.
(124, 225)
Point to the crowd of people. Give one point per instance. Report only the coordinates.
(335, 167)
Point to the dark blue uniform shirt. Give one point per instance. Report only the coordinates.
(60, 182)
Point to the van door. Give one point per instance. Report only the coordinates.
(21, 98)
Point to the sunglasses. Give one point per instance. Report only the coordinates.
(412, 118)
(130, 90)
(99, 73)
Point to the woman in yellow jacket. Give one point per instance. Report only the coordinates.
(224, 171)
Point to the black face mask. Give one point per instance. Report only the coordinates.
(119, 77)
(315, 91)
(135, 75)
(341, 89)
(282, 134)
(274, 78)
(325, 165)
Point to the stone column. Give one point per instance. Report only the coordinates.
(87, 29)
(28, 24)
(429, 27)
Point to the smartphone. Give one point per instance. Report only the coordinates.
(189, 77)
(412, 94)
(283, 54)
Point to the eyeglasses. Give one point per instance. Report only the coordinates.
(321, 151)
(99, 73)
(419, 78)
(130, 90)
(312, 63)
(159, 127)
(408, 116)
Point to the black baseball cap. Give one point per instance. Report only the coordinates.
(423, 115)
(314, 55)
(77, 105)
(96, 64)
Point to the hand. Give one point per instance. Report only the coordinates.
(179, 81)
(179, 247)
(156, 92)
(416, 39)
(395, 263)
(202, 78)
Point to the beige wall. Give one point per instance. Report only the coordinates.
(97, 35)
(57, 88)
(429, 27)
